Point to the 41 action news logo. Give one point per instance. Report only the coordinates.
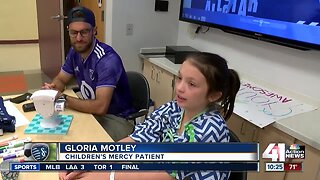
(280, 152)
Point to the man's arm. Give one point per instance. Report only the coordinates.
(98, 106)
(59, 82)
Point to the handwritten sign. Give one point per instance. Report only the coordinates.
(263, 107)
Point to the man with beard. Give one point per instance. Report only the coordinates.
(100, 75)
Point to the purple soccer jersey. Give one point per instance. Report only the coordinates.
(102, 68)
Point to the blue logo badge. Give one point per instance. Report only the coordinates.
(40, 151)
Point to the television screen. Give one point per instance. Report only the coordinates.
(293, 23)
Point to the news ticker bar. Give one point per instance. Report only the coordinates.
(151, 157)
(282, 166)
(148, 152)
(32, 167)
(142, 152)
(158, 147)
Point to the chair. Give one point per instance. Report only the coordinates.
(140, 93)
(236, 175)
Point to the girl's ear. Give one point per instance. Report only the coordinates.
(213, 97)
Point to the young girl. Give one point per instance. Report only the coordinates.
(205, 89)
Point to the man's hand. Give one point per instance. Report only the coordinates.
(51, 86)
(59, 82)
(48, 86)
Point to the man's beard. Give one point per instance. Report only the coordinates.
(84, 47)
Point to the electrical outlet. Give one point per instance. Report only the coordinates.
(129, 30)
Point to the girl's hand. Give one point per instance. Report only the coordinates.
(71, 175)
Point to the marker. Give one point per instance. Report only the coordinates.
(20, 159)
(8, 139)
(13, 155)
(9, 151)
(16, 143)
(6, 143)
(11, 144)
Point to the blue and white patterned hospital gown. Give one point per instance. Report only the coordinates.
(162, 126)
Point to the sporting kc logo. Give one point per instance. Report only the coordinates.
(40, 151)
